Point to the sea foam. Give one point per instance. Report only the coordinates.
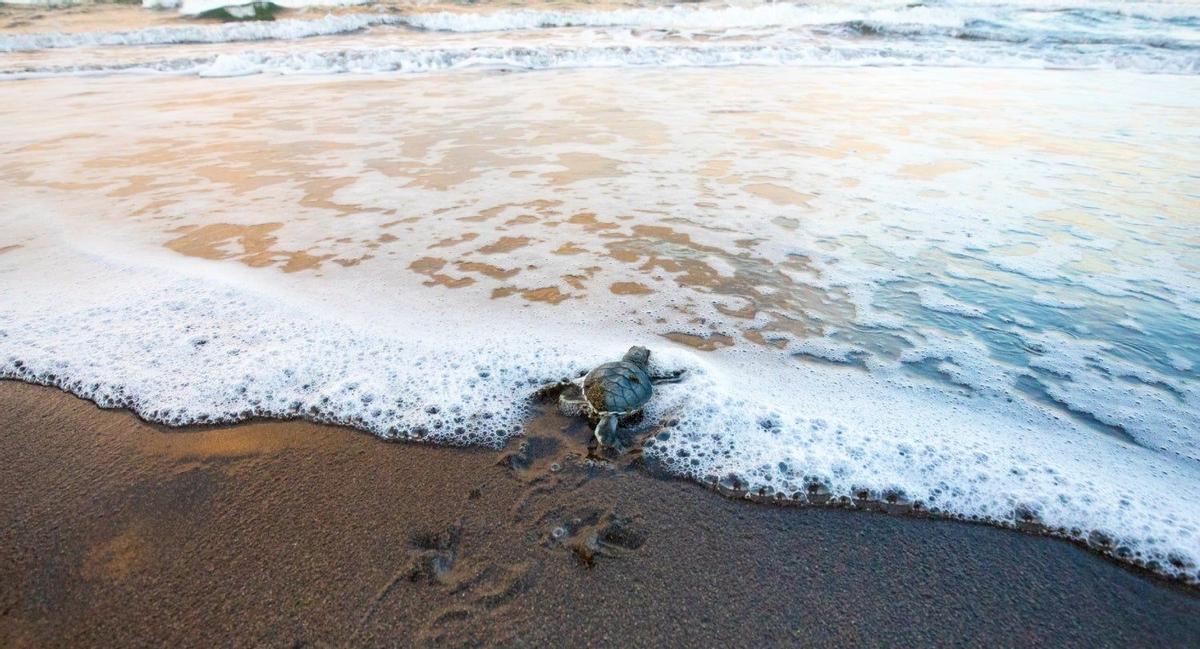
(1161, 38)
(195, 7)
(182, 346)
(226, 33)
(421, 59)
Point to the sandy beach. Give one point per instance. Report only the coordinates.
(894, 306)
(120, 533)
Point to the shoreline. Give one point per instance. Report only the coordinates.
(730, 487)
(121, 532)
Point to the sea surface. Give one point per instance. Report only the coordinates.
(944, 253)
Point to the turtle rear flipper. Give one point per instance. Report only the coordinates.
(551, 391)
(606, 431)
(571, 407)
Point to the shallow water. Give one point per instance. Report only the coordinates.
(976, 289)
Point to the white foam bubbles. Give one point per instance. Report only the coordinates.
(936, 299)
(1158, 412)
(181, 344)
(226, 65)
(677, 17)
(961, 458)
(423, 59)
(177, 34)
(834, 34)
(186, 350)
(196, 7)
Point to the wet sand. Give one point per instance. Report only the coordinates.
(121, 533)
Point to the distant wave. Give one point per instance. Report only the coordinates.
(1132, 24)
(982, 30)
(194, 7)
(417, 60)
(225, 33)
(801, 15)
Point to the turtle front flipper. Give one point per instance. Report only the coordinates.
(606, 431)
(669, 377)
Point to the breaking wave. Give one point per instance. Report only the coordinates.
(432, 59)
(1121, 28)
(899, 17)
(227, 33)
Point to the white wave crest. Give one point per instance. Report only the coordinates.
(194, 7)
(226, 33)
(1123, 25)
(768, 15)
(432, 59)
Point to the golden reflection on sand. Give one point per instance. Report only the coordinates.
(630, 288)
(541, 207)
(242, 441)
(569, 248)
(114, 559)
(253, 245)
(583, 165)
(450, 242)
(716, 168)
(703, 343)
(430, 266)
(505, 244)
(549, 294)
(778, 194)
(495, 272)
(590, 223)
(932, 170)
(684, 199)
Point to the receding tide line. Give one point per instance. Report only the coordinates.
(815, 494)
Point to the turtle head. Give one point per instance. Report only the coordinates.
(639, 356)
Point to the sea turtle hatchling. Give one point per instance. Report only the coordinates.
(612, 392)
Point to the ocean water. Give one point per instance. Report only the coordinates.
(941, 252)
(1154, 37)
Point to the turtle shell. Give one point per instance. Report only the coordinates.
(619, 387)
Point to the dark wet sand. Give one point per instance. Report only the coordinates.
(119, 533)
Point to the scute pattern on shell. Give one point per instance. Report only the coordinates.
(618, 387)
